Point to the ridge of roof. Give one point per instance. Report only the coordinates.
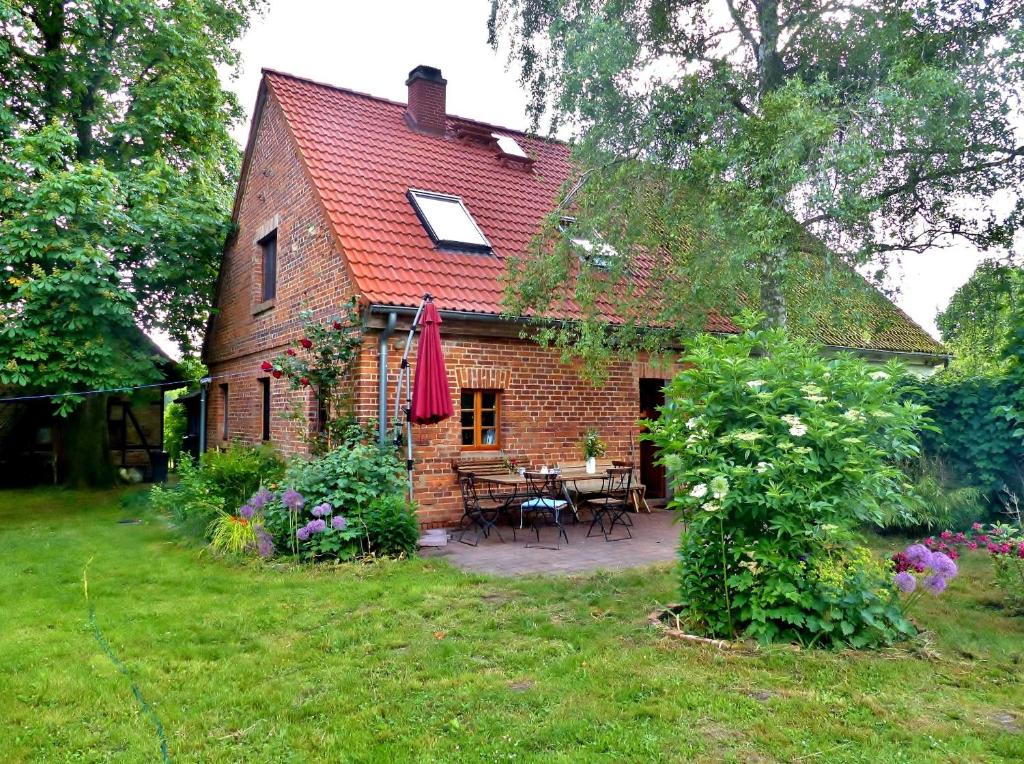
(391, 102)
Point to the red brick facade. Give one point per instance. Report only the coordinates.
(311, 273)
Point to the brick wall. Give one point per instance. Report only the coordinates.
(311, 273)
(546, 409)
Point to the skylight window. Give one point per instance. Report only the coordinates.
(595, 252)
(509, 146)
(448, 221)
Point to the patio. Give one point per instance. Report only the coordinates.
(655, 537)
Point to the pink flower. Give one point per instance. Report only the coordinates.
(992, 547)
(977, 526)
(946, 534)
(972, 545)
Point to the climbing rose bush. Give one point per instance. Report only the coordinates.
(776, 454)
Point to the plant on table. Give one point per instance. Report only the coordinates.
(776, 454)
(593, 446)
(322, 360)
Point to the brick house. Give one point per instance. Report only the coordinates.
(347, 195)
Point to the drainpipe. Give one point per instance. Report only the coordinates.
(382, 379)
(204, 383)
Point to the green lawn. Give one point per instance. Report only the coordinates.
(416, 661)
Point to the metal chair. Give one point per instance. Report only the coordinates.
(613, 506)
(476, 514)
(546, 503)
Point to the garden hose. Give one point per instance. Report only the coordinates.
(105, 646)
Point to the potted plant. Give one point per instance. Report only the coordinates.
(593, 449)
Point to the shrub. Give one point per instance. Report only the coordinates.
(219, 484)
(349, 477)
(942, 505)
(776, 454)
(391, 526)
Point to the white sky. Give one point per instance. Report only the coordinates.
(371, 47)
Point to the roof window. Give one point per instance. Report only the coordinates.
(448, 221)
(595, 251)
(509, 146)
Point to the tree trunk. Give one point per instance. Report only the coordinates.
(773, 298)
(87, 446)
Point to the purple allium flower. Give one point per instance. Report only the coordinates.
(261, 498)
(935, 584)
(303, 533)
(943, 565)
(905, 582)
(316, 526)
(322, 510)
(919, 554)
(293, 500)
(247, 511)
(339, 523)
(264, 542)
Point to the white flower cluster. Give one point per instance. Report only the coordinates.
(796, 427)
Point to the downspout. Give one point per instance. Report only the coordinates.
(203, 384)
(382, 379)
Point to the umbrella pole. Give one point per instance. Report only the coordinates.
(403, 380)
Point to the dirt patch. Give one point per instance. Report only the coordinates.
(1007, 722)
(521, 686)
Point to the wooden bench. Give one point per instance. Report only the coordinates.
(490, 464)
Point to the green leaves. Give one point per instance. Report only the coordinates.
(776, 454)
(116, 177)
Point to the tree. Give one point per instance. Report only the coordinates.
(978, 323)
(763, 150)
(116, 177)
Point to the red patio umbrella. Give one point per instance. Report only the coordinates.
(431, 396)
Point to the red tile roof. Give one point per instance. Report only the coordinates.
(363, 158)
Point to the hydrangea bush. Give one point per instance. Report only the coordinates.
(776, 454)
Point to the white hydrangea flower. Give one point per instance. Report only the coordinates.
(854, 415)
(798, 430)
(756, 383)
(763, 467)
(815, 398)
(791, 419)
(710, 506)
(699, 491)
(748, 436)
(692, 422)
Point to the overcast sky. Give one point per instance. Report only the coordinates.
(371, 47)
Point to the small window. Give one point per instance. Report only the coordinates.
(268, 247)
(594, 251)
(509, 146)
(224, 417)
(265, 392)
(448, 221)
(481, 419)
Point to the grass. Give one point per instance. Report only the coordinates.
(416, 661)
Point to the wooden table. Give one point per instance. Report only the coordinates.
(585, 483)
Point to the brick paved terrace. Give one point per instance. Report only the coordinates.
(655, 538)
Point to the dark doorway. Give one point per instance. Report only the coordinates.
(652, 395)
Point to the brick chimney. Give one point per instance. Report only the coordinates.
(426, 108)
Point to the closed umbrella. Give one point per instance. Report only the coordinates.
(430, 400)
(431, 396)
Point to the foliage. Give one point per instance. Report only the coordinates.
(117, 169)
(392, 529)
(350, 477)
(593, 446)
(175, 425)
(218, 485)
(974, 440)
(239, 470)
(977, 325)
(942, 504)
(323, 359)
(775, 453)
(1009, 573)
(193, 503)
(231, 534)
(749, 150)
